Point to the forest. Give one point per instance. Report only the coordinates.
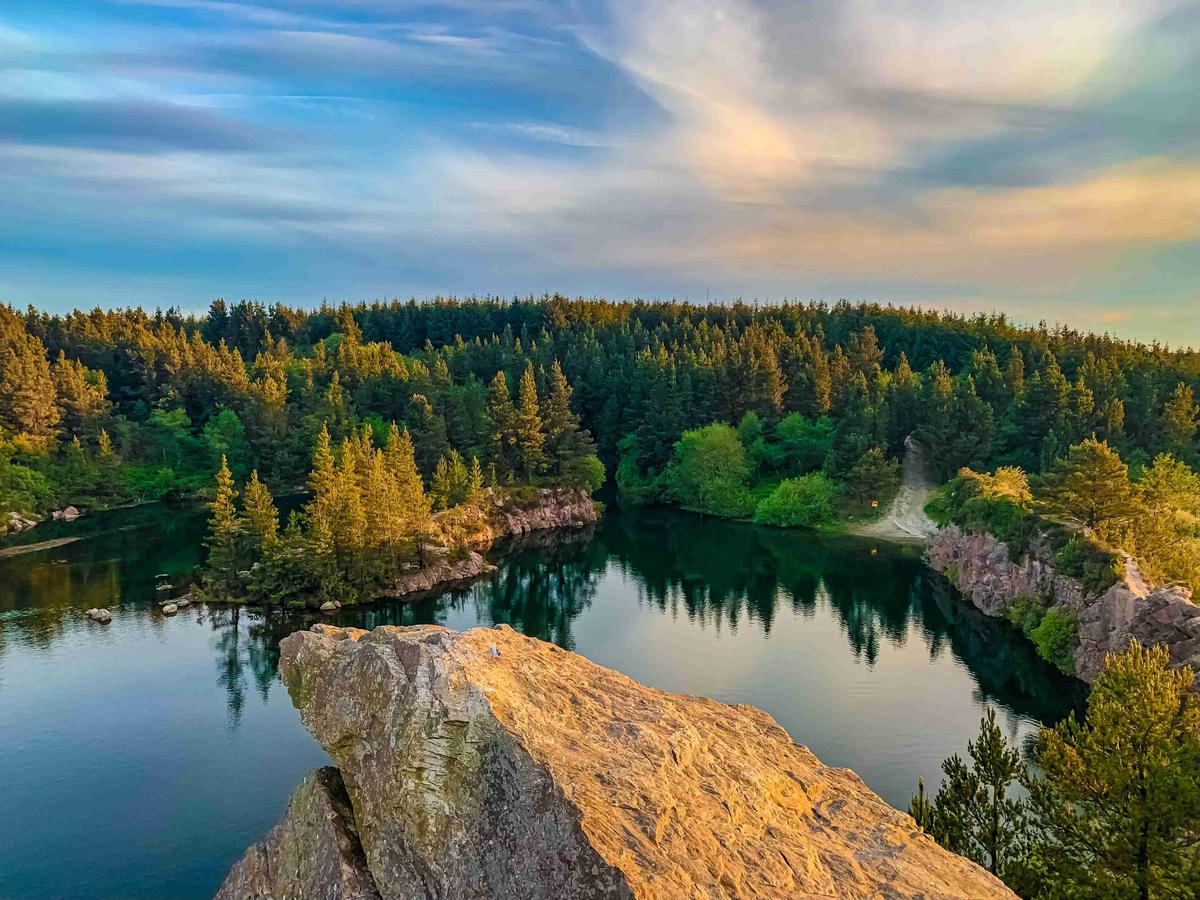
(793, 414)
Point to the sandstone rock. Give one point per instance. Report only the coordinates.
(980, 566)
(313, 853)
(169, 609)
(328, 607)
(103, 616)
(490, 765)
(67, 514)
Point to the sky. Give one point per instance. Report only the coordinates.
(1036, 158)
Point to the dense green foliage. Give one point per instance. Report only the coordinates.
(1084, 508)
(807, 501)
(807, 387)
(1112, 805)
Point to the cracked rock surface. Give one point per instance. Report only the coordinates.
(484, 764)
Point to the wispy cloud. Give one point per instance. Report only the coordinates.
(1023, 153)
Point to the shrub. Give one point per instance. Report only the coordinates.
(709, 471)
(1026, 613)
(1098, 568)
(1055, 638)
(804, 502)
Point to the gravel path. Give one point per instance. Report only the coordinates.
(905, 520)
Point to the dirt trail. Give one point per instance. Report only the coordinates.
(905, 520)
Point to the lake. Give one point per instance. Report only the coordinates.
(142, 757)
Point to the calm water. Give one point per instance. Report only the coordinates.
(139, 759)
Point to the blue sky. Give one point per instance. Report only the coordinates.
(1034, 157)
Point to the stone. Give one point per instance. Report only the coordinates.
(981, 567)
(485, 764)
(103, 616)
(17, 522)
(328, 607)
(443, 572)
(169, 609)
(313, 853)
(183, 603)
(67, 514)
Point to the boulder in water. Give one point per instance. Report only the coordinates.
(169, 609)
(103, 616)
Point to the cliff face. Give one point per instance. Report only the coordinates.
(490, 765)
(980, 567)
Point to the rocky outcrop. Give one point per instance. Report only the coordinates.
(442, 571)
(14, 522)
(313, 853)
(981, 567)
(103, 616)
(502, 514)
(485, 764)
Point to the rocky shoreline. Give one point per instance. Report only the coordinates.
(485, 764)
(980, 566)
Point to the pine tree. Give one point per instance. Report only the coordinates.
(502, 421)
(1179, 420)
(474, 481)
(1117, 798)
(412, 503)
(28, 399)
(530, 436)
(260, 518)
(1089, 488)
(973, 812)
(223, 532)
(322, 481)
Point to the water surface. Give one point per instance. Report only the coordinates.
(139, 759)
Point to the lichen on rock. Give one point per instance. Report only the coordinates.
(485, 764)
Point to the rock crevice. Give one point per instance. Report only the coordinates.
(485, 764)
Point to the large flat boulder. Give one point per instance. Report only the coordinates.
(485, 764)
(312, 854)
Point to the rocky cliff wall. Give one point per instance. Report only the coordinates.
(484, 764)
(980, 566)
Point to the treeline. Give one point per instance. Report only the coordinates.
(1111, 804)
(172, 393)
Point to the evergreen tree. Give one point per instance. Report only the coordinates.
(1179, 420)
(223, 532)
(28, 399)
(260, 519)
(502, 421)
(1117, 801)
(975, 816)
(530, 435)
(1089, 488)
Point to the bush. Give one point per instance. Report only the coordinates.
(1026, 613)
(1098, 568)
(803, 502)
(709, 472)
(25, 491)
(1055, 638)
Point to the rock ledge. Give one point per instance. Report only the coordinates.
(485, 764)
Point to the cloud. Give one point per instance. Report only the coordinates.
(122, 124)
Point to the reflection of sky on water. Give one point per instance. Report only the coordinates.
(165, 735)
